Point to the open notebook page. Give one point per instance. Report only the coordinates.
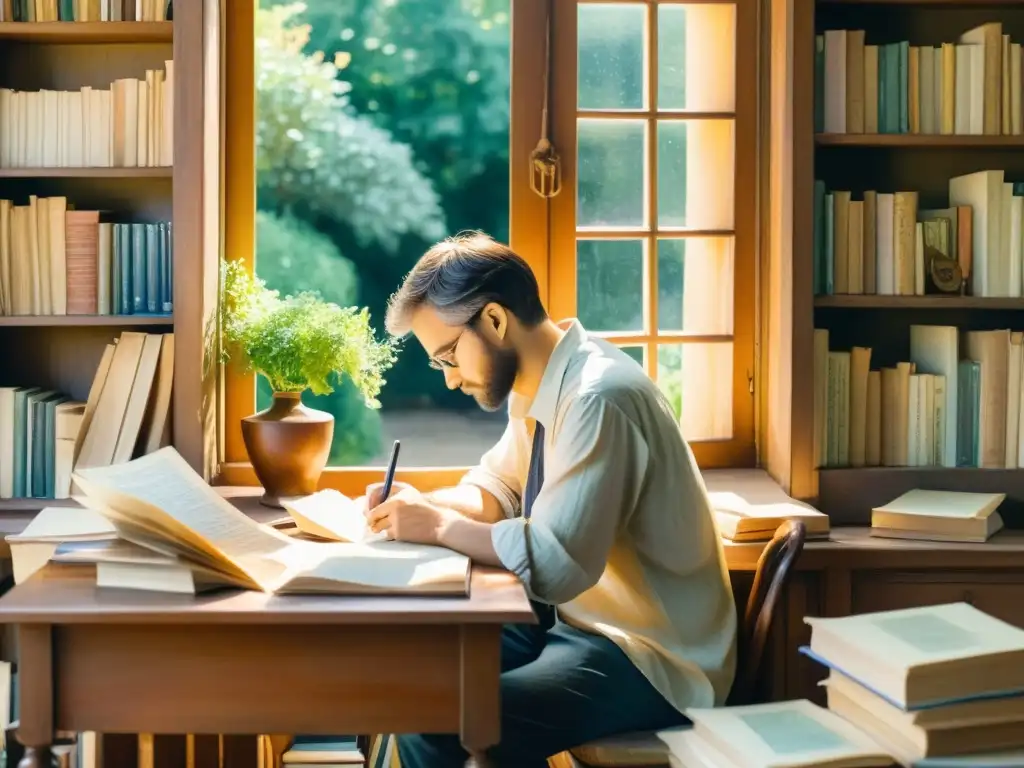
(388, 566)
(159, 494)
(331, 514)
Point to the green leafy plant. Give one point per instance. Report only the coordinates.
(300, 342)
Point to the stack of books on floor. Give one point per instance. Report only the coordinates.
(939, 516)
(928, 687)
(324, 752)
(784, 734)
(933, 686)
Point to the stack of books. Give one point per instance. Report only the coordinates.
(175, 533)
(324, 752)
(927, 684)
(939, 516)
(784, 734)
(743, 517)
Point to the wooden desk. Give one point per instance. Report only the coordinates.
(116, 661)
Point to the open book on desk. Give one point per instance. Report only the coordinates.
(159, 503)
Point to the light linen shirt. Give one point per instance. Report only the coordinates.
(621, 537)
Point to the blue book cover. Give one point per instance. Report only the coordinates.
(152, 259)
(138, 295)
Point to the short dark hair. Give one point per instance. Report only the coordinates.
(461, 275)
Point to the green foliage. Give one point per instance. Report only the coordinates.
(299, 342)
(436, 75)
(426, 79)
(317, 158)
(291, 256)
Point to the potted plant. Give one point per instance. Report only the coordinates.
(298, 343)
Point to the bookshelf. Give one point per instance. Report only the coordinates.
(890, 162)
(61, 352)
(88, 32)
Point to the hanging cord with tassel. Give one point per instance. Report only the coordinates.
(545, 164)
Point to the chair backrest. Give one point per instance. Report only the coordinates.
(770, 580)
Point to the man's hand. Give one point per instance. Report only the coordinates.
(374, 491)
(407, 516)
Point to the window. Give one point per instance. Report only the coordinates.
(380, 127)
(653, 235)
(359, 131)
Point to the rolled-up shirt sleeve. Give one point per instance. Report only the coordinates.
(497, 473)
(592, 480)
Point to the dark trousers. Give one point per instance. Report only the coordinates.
(560, 688)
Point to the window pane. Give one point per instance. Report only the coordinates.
(695, 287)
(697, 380)
(611, 173)
(697, 57)
(611, 42)
(701, 153)
(398, 136)
(610, 284)
(636, 352)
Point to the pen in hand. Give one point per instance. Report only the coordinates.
(389, 478)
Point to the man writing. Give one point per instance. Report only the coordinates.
(591, 497)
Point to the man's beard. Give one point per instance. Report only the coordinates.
(503, 368)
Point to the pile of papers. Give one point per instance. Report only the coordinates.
(154, 524)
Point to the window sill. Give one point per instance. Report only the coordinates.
(351, 481)
(754, 485)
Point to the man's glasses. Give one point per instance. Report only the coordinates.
(446, 359)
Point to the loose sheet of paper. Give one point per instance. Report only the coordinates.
(331, 514)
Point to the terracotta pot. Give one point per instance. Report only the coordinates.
(288, 446)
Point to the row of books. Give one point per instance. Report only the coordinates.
(55, 261)
(968, 87)
(955, 403)
(926, 686)
(85, 10)
(129, 125)
(38, 431)
(888, 244)
(45, 435)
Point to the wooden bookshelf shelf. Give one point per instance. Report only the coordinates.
(917, 140)
(917, 302)
(10, 507)
(74, 321)
(85, 32)
(87, 173)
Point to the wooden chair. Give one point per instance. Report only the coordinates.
(770, 579)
